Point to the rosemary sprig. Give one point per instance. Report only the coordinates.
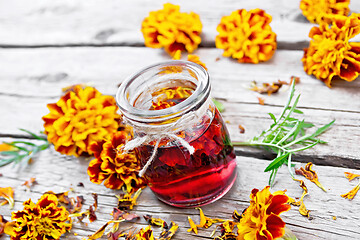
(286, 136)
(23, 151)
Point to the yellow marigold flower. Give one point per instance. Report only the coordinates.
(330, 53)
(43, 220)
(80, 117)
(114, 166)
(261, 221)
(315, 10)
(172, 30)
(246, 36)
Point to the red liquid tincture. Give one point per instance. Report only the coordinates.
(177, 177)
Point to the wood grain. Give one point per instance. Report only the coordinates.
(28, 83)
(77, 23)
(49, 169)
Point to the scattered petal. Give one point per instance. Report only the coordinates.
(30, 183)
(302, 209)
(261, 100)
(156, 221)
(7, 196)
(310, 174)
(145, 234)
(126, 202)
(193, 226)
(99, 233)
(169, 232)
(351, 176)
(350, 195)
(242, 129)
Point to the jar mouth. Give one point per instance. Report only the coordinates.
(153, 75)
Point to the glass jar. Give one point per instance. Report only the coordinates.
(184, 148)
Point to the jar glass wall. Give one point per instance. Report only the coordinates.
(182, 141)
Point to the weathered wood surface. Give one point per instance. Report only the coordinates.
(47, 45)
(28, 83)
(76, 22)
(50, 167)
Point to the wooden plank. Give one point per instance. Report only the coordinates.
(49, 169)
(25, 73)
(60, 23)
(28, 83)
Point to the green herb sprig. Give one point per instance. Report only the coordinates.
(23, 151)
(286, 136)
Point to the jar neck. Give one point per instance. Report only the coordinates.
(135, 94)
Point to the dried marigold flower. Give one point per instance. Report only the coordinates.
(261, 219)
(43, 220)
(330, 53)
(115, 167)
(246, 36)
(172, 30)
(79, 118)
(315, 10)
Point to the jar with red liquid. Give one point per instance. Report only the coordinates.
(179, 135)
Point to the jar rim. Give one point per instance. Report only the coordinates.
(199, 96)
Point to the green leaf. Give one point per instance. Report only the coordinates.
(277, 162)
(298, 111)
(23, 142)
(9, 153)
(273, 117)
(33, 134)
(219, 105)
(322, 129)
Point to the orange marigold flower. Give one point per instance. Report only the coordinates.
(315, 10)
(172, 30)
(261, 221)
(114, 166)
(43, 220)
(330, 53)
(246, 36)
(79, 118)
